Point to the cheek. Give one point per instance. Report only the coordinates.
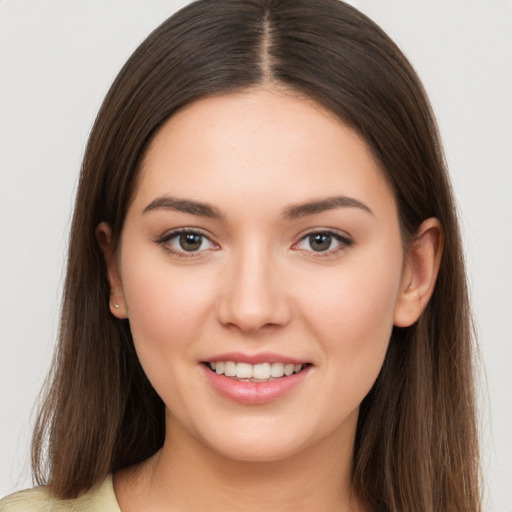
(165, 307)
(167, 312)
(357, 296)
(352, 317)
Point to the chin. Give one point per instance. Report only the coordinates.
(258, 451)
(267, 440)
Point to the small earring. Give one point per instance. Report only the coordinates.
(117, 306)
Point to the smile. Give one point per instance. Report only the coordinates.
(264, 379)
(262, 372)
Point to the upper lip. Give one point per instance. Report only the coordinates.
(263, 357)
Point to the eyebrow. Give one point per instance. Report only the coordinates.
(330, 203)
(184, 205)
(291, 212)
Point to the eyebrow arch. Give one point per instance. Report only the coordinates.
(330, 203)
(184, 205)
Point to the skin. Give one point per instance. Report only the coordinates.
(257, 284)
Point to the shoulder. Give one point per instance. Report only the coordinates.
(39, 499)
(31, 500)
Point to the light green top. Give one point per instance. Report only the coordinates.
(38, 499)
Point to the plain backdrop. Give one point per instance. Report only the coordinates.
(57, 60)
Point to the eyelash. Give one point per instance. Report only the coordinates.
(165, 239)
(343, 242)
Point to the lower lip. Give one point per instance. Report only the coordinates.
(254, 393)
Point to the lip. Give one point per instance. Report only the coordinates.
(253, 393)
(264, 357)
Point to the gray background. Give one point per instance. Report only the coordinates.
(57, 60)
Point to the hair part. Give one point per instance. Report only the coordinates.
(416, 442)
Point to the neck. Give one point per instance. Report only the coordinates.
(187, 475)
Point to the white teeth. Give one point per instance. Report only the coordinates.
(244, 370)
(277, 370)
(288, 369)
(229, 369)
(261, 371)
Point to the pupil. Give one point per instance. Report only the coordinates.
(320, 241)
(190, 241)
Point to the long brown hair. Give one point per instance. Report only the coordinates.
(416, 441)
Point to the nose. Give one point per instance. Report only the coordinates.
(253, 295)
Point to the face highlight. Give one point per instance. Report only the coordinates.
(260, 267)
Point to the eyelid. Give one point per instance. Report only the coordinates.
(344, 241)
(164, 239)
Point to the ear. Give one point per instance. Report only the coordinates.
(420, 273)
(117, 301)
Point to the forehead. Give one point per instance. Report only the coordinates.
(258, 144)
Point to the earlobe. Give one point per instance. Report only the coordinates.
(117, 302)
(420, 273)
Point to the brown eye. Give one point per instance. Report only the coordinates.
(186, 242)
(327, 242)
(320, 242)
(190, 242)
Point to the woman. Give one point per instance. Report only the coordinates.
(265, 298)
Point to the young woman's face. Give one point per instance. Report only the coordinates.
(262, 240)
